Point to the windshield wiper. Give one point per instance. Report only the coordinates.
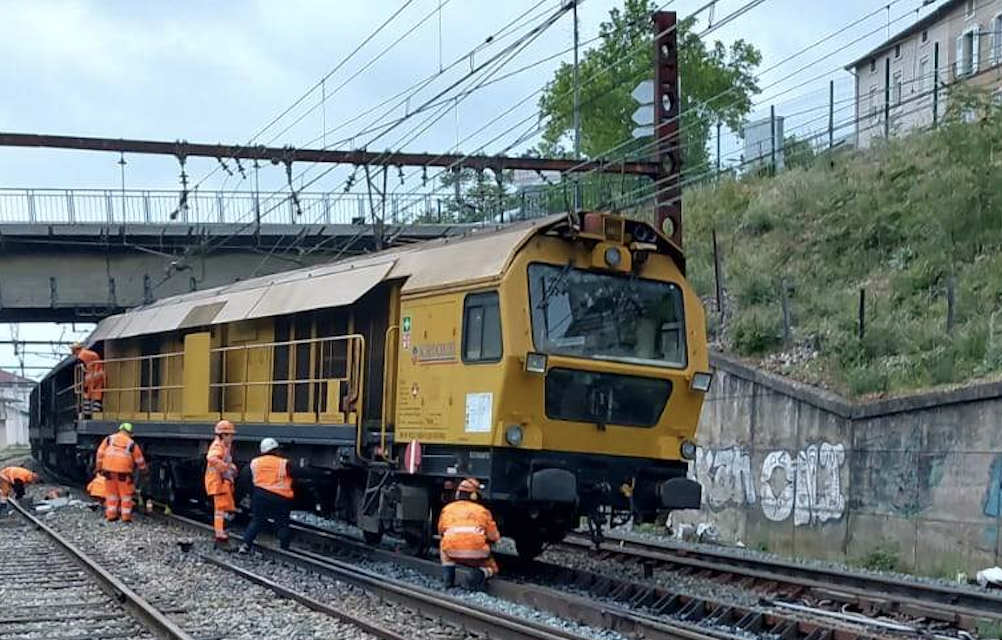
(549, 291)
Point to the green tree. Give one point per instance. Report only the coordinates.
(480, 197)
(717, 86)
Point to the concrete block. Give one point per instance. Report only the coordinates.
(884, 483)
(774, 421)
(944, 547)
(867, 533)
(958, 487)
(888, 433)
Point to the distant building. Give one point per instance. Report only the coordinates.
(15, 392)
(902, 84)
(759, 138)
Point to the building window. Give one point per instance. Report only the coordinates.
(969, 9)
(482, 328)
(897, 51)
(925, 36)
(896, 88)
(925, 76)
(967, 52)
(873, 65)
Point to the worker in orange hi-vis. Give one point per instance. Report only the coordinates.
(14, 479)
(220, 475)
(468, 530)
(117, 457)
(93, 380)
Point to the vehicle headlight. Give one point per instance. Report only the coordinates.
(513, 435)
(688, 450)
(613, 257)
(701, 381)
(535, 362)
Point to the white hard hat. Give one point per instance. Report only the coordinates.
(268, 444)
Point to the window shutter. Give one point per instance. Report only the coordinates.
(975, 48)
(958, 69)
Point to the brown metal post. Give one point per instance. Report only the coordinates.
(668, 148)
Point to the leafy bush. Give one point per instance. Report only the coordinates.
(756, 331)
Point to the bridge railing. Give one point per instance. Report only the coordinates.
(111, 206)
(147, 206)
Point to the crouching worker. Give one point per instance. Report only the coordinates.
(14, 479)
(272, 495)
(467, 529)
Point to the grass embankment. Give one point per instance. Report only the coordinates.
(900, 221)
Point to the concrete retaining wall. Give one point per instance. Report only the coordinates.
(800, 471)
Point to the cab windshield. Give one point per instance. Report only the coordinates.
(606, 316)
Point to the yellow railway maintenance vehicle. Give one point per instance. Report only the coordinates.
(562, 362)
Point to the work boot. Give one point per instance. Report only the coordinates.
(475, 580)
(223, 544)
(449, 576)
(243, 549)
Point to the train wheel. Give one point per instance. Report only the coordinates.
(373, 537)
(417, 536)
(529, 546)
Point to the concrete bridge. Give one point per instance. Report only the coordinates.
(80, 255)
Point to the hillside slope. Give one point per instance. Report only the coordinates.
(900, 221)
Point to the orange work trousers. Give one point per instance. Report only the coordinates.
(222, 503)
(487, 565)
(118, 490)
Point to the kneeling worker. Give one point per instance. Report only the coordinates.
(220, 474)
(14, 478)
(272, 496)
(467, 530)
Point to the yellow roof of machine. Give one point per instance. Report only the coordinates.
(473, 257)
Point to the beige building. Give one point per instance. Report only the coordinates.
(904, 83)
(15, 393)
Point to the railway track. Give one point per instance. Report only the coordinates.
(463, 613)
(632, 609)
(637, 608)
(53, 590)
(869, 593)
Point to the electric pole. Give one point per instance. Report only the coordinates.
(577, 111)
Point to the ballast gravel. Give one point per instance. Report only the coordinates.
(206, 601)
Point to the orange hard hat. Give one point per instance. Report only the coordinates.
(225, 426)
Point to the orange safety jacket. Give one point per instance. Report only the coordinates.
(13, 474)
(467, 529)
(219, 468)
(119, 454)
(271, 473)
(93, 366)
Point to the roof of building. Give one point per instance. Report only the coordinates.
(475, 257)
(6, 377)
(920, 24)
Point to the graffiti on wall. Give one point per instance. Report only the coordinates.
(806, 485)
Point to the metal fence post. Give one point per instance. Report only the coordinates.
(146, 206)
(220, 207)
(71, 213)
(327, 208)
(30, 197)
(109, 204)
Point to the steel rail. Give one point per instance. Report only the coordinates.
(152, 618)
(953, 604)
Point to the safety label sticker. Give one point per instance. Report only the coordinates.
(479, 410)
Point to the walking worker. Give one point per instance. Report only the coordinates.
(93, 381)
(272, 495)
(467, 529)
(14, 479)
(117, 457)
(220, 475)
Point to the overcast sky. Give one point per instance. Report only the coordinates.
(213, 71)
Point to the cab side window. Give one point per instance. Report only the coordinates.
(482, 327)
